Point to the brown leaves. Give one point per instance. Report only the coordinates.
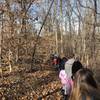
(26, 86)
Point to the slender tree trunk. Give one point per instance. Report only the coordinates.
(61, 30)
(93, 33)
(1, 37)
(69, 13)
(56, 34)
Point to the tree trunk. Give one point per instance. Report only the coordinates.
(93, 53)
(61, 27)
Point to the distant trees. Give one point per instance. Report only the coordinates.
(73, 25)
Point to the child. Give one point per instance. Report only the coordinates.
(66, 83)
(85, 86)
(62, 63)
(75, 67)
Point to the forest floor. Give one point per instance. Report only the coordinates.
(23, 85)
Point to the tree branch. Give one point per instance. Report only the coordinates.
(40, 33)
(87, 7)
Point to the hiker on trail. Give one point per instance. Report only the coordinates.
(66, 75)
(56, 61)
(75, 67)
(62, 63)
(85, 86)
(68, 65)
(66, 84)
(72, 66)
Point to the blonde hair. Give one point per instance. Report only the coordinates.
(84, 85)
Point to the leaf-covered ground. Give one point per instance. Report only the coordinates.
(39, 85)
(21, 85)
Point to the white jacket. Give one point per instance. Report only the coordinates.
(68, 67)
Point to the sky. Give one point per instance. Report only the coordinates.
(36, 10)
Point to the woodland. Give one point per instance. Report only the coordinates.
(32, 30)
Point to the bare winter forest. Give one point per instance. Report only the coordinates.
(32, 30)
